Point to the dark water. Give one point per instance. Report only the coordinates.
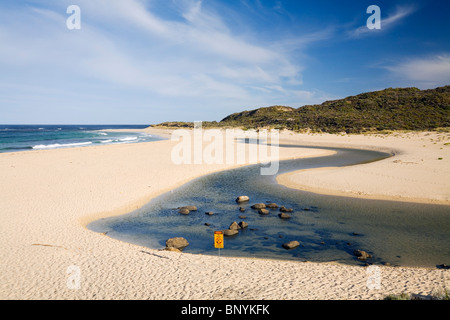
(15, 138)
(330, 228)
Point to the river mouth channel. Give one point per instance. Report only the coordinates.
(329, 228)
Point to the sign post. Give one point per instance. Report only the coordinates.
(218, 242)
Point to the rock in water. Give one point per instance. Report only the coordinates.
(229, 232)
(243, 224)
(284, 209)
(361, 255)
(284, 216)
(291, 245)
(259, 206)
(190, 208)
(234, 226)
(177, 243)
(272, 206)
(242, 199)
(263, 211)
(184, 211)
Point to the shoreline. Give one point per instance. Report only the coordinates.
(286, 180)
(390, 179)
(48, 195)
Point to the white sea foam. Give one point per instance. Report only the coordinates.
(128, 139)
(57, 145)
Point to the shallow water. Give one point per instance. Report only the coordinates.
(330, 228)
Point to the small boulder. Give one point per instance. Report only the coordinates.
(243, 224)
(177, 243)
(284, 216)
(184, 211)
(263, 211)
(361, 255)
(284, 209)
(291, 245)
(209, 213)
(241, 209)
(259, 206)
(242, 217)
(229, 232)
(272, 206)
(234, 226)
(190, 208)
(242, 199)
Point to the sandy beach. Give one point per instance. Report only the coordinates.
(49, 196)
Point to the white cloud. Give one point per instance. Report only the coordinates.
(132, 48)
(426, 72)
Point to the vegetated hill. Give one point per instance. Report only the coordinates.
(389, 109)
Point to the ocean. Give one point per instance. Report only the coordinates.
(15, 138)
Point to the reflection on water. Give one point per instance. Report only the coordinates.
(328, 228)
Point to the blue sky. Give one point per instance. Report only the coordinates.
(149, 61)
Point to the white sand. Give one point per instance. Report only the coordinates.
(47, 198)
(414, 174)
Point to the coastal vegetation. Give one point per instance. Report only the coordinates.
(392, 109)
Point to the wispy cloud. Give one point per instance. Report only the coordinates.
(189, 55)
(424, 72)
(386, 22)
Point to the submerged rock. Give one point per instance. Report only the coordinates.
(284, 209)
(263, 211)
(272, 206)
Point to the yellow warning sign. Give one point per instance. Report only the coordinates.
(218, 240)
